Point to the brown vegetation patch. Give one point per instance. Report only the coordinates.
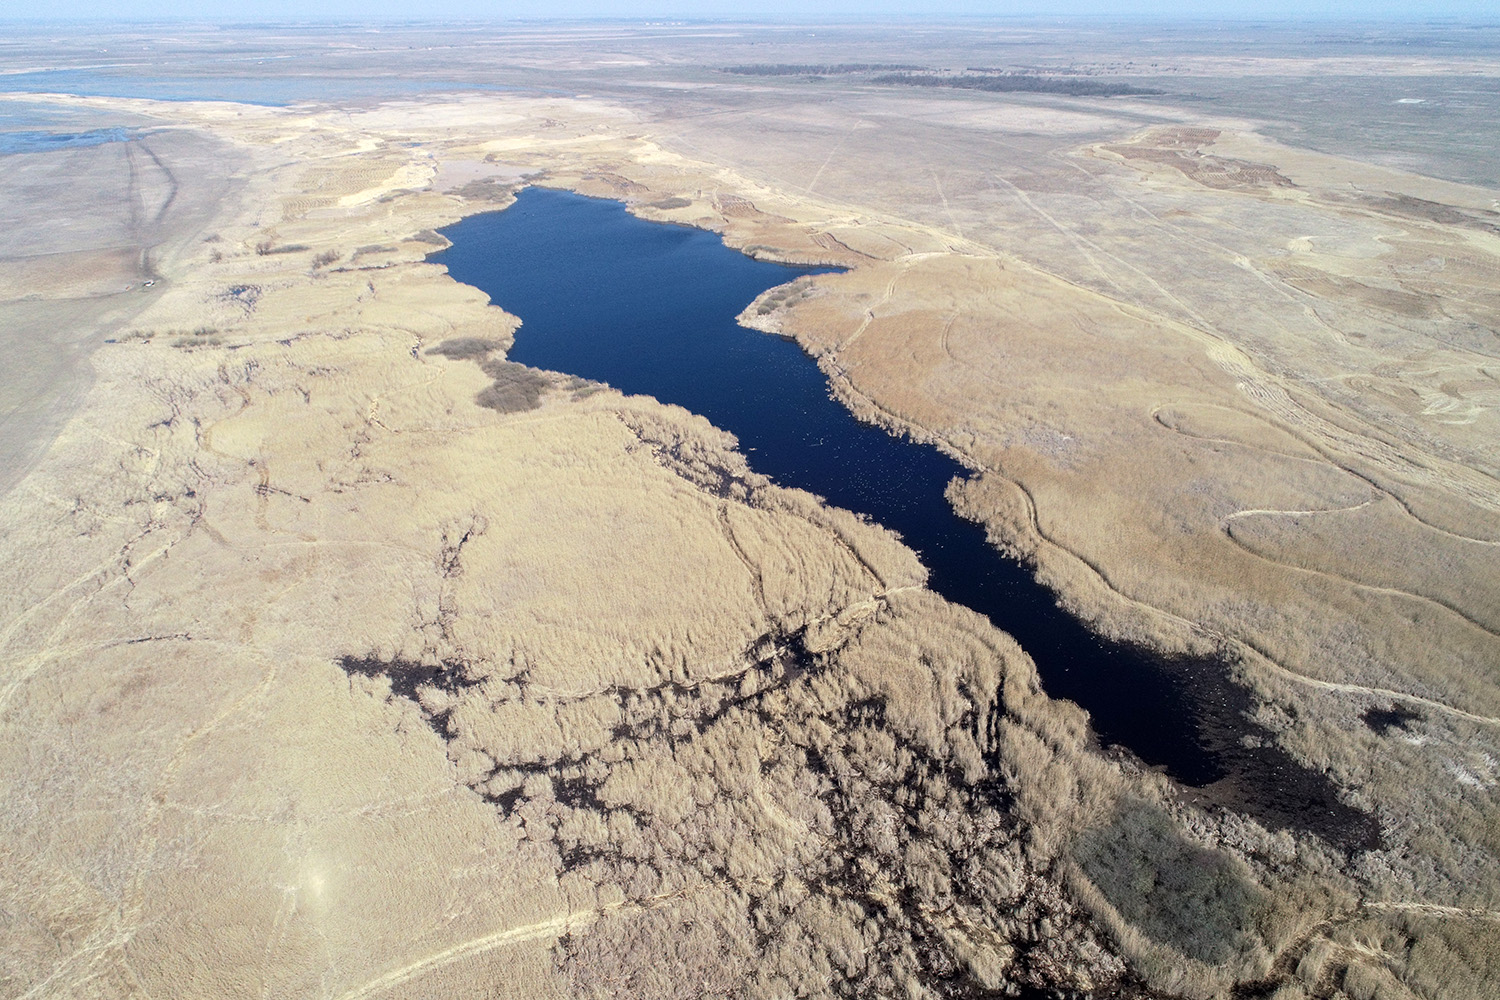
(1018, 83)
(486, 189)
(815, 69)
(1323, 285)
(828, 241)
(516, 387)
(466, 348)
(1404, 206)
(732, 206)
(1181, 149)
(243, 296)
(616, 183)
(783, 296)
(1184, 137)
(369, 248)
(267, 248)
(1377, 544)
(1199, 901)
(811, 824)
(203, 336)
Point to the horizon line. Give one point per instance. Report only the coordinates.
(373, 20)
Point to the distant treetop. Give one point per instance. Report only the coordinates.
(1018, 82)
(795, 69)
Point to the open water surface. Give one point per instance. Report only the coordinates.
(269, 89)
(650, 309)
(44, 141)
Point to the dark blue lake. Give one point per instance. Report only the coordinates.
(650, 309)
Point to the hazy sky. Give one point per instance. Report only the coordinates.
(747, 9)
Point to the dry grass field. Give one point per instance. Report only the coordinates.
(343, 657)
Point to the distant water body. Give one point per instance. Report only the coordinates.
(42, 141)
(270, 90)
(650, 309)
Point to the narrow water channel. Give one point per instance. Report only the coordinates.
(650, 309)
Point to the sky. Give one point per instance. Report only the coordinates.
(304, 10)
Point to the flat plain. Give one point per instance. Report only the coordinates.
(343, 660)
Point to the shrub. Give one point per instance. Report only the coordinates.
(465, 348)
(1187, 897)
(516, 388)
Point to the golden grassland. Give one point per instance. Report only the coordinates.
(344, 657)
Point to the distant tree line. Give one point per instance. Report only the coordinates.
(1018, 82)
(1015, 71)
(796, 69)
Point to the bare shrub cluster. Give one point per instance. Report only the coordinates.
(1008, 83)
(809, 69)
(807, 826)
(1201, 902)
(883, 806)
(266, 248)
(466, 348)
(516, 387)
(487, 189)
(783, 296)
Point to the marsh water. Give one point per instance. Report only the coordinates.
(650, 309)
